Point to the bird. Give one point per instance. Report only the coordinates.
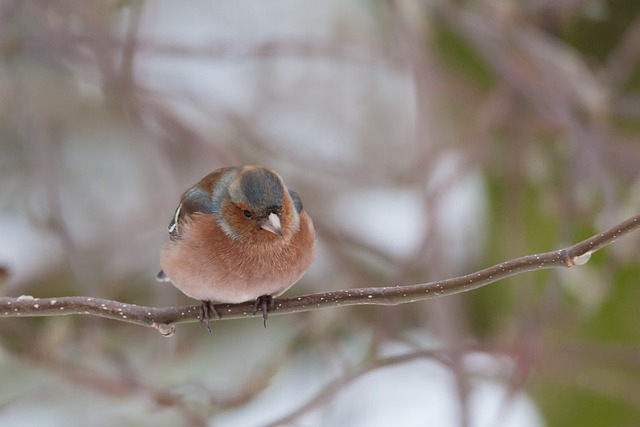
(237, 235)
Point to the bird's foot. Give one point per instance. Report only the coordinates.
(266, 303)
(206, 309)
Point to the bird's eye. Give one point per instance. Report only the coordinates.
(247, 213)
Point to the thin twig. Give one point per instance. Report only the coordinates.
(164, 319)
(333, 387)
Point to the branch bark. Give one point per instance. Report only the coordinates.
(164, 319)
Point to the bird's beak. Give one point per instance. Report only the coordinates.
(272, 224)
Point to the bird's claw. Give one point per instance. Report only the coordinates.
(266, 303)
(206, 309)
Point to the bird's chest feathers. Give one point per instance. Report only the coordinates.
(260, 257)
(257, 260)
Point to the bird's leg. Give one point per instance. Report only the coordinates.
(206, 309)
(266, 303)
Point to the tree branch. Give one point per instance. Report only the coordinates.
(164, 319)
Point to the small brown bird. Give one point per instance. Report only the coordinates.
(238, 235)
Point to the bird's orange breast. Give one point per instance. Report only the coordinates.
(206, 264)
